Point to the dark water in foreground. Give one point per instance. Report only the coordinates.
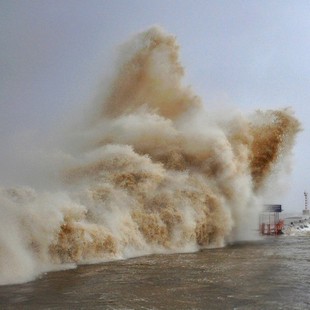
(269, 274)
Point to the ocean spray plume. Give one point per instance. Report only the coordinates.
(279, 129)
(159, 174)
(150, 75)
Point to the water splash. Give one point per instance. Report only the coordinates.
(157, 174)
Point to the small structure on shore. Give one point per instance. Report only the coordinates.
(269, 221)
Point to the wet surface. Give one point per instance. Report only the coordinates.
(269, 274)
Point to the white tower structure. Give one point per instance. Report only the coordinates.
(306, 211)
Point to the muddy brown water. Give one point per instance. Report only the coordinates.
(270, 274)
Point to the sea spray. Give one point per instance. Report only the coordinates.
(153, 172)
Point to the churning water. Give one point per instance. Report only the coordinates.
(272, 273)
(151, 171)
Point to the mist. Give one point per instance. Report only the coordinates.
(150, 169)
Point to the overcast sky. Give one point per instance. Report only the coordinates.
(252, 54)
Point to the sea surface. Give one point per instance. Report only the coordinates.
(272, 273)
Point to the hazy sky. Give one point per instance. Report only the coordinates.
(251, 54)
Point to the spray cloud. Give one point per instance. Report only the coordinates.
(157, 173)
